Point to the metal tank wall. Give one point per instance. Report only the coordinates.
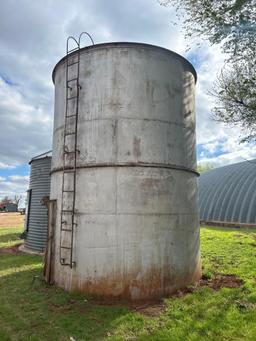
(137, 234)
(36, 215)
(227, 194)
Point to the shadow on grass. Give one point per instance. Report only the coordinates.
(5, 238)
(31, 308)
(229, 229)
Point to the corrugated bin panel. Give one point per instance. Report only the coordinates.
(227, 194)
(39, 187)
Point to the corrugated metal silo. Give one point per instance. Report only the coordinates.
(36, 212)
(127, 216)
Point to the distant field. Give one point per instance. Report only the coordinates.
(11, 219)
(221, 307)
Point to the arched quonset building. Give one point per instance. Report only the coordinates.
(227, 194)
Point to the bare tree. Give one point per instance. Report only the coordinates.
(233, 24)
(17, 199)
(6, 200)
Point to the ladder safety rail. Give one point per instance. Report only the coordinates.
(88, 35)
(70, 166)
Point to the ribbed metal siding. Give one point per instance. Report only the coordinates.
(40, 186)
(227, 194)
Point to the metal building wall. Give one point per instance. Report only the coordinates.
(36, 217)
(227, 194)
(137, 232)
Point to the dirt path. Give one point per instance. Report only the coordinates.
(14, 219)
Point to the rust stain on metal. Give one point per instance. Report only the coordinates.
(134, 285)
(136, 147)
(87, 73)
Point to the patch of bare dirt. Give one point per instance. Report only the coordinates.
(11, 219)
(238, 235)
(216, 283)
(10, 250)
(245, 305)
(149, 308)
(63, 308)
(153, 308)
(222, 281)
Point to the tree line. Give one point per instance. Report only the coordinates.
(232, 24)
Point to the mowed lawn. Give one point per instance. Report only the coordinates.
(222, 307)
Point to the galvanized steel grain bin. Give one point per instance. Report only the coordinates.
(36, 212)
(136, 231)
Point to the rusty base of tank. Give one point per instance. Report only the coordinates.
(153, 285)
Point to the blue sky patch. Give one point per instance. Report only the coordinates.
(19, 170)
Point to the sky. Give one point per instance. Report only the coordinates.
(33, 38)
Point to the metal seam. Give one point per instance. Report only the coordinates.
(146, 165)
(183, 126)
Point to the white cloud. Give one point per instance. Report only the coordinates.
(216, 138)
(14, 185)
(31, 47)
(19, 178)
(6, 166)
(25, 128)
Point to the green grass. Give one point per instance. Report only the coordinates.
(9, 236)
(32, 310)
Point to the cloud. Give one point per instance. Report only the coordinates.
(31, 47)
(33, 38)
(219, 144)
(19, 178)
(14, 185)
(25, 127)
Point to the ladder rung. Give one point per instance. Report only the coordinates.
(72, 79)
(66, 247)
(69, 171)
(69, 191)
(67, 116)
(70, 64)
(66, 211)
(71, 152)
(71, 97)
(67, 264)
(66, 230)
(70, 133)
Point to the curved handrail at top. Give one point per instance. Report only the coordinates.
(88, 35)
(67, 46)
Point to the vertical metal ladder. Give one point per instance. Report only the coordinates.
(70, 152)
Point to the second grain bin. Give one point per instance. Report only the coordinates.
(123, 172)
(36, 211)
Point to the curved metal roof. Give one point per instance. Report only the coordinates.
(228, 194)
(41, 156)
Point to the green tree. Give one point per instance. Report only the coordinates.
(235, 93)
(231, 23)
(201, 168)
